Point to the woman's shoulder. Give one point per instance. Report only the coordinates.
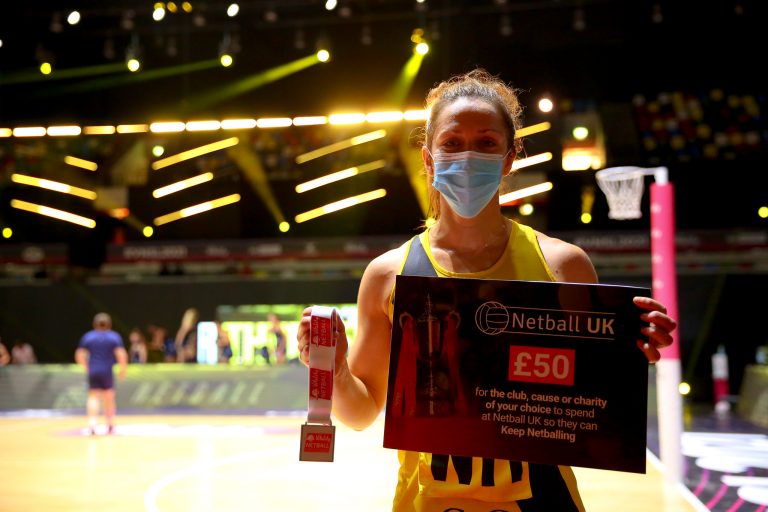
(568, 261)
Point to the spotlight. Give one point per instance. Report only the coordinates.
(422, 48)
(330, 5)
(186, 7)
(323, 55)
(232, 10)
(159, 13)
(284, 227)
(546, 105)
(73, 18)
(7, 233)
(132, 55)
(46, 68)
(226, 60)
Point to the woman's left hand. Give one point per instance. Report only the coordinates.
(659, 332)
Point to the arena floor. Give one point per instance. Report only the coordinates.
(237, 462)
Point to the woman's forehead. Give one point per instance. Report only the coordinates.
(468, 112)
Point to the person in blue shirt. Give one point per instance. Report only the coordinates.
(99, 350)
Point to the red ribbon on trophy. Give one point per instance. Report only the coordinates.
(318, 433)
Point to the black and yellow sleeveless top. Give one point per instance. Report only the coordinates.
(439, 483)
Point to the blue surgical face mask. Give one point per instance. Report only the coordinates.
(468, 180)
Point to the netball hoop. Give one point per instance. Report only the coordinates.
(623, 188)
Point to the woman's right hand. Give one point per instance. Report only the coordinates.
(339, 334)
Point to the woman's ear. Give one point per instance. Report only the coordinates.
(508, 161)
(429, 164)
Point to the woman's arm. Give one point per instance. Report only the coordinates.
(360, 382)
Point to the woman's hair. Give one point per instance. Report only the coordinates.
(475, 84)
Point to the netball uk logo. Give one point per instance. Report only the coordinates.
(494, 318)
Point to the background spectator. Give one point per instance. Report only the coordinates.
(23, 353)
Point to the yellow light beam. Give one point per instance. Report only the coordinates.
(253, 170)
(339, 175)
(183, 184)
(53, 212)
(53, 185)
(525, 192)
(531, 160)
(196, 209)
(338, 146)
(63, 131)
(402, 86)
(99, 130)
(79, 162)
(340, 205)
(534, 128)
(236, 88)
(194, 153)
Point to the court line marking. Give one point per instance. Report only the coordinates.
(684, 491)
(150, 497)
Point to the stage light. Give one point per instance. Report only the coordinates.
(284, 227)
(157, 151)
(158, 13)
(525, 192)
(119, 213)
(339, 175)
(323, 55)
(55, 186)
(171, 6)
(201, 126)
(132, 128)
(546, 105)
(5, 132)
(232, 10)
(531, 160)
(186, 7)
(99, 130)
(194, 153)
(147, 231)
(762, 212)
(7, 233)
(580, 132)
(197, 209)
(274, 122)
(338, 146)
(29, 131)
(46, 68)
(384, 117)
(167, 127)
(73, 18)
(309, 120)
(53, 213)
(340, 205)
(352, 118)
(226, 60)
(586, 218)
(238, 124)
(63, 131)
(181, 185)
(531, 129)
(422, 48)
(415, 115)
(79, 162)
(330, 5)
(684, 388)
(525, 209)
(132, 54)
